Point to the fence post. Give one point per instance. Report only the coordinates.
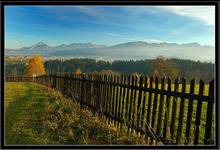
(82, 81)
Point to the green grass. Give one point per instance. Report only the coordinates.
(37, 115)
(24, 110)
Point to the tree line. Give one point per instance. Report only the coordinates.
(160, 67)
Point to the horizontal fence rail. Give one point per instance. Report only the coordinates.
(166, 111)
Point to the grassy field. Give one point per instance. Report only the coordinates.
(37, 115)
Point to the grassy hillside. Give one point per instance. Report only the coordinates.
(37, 115)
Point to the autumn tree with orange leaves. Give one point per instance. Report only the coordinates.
(35, 66)
(77, 71)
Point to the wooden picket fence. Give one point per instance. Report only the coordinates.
(159, 109)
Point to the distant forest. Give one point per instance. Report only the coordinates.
(159, 67)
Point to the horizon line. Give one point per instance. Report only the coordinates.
(162, 42)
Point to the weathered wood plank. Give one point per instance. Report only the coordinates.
(139, 102)
(116, 97)
(123, 99)
(181, 113)
(107, 98)
(113, 99)
(160, 113)
(149, 105)
(155, 105)
(134, 107)
(111, 93)
(198, 113)
(104, 93)
(131, 99)
(127, 100)
(120, 98)
(189, 115)
(167, 110)
(209, 115)
(144, 103)
(173, 119)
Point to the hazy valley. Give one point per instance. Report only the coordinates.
(131, 50)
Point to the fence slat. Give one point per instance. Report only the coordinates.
(123, 99)
(144, 103)
(198, 113)
(107, 98)
(87, 90)
(117, 93)
(127, 100)
(100, 93)
(95, 93)
(189, 115)
(120, 99)
(131, 98)
(149, 105)
(173, 119)
(167, 110)
(134, 107)
(160, 113)
(110, 95)
(104, 93)
(139, 102)
(113, 98)
(209, 115)
(92, 92)
(181, 113)
(155, 105)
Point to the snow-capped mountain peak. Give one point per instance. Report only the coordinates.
(39, 45)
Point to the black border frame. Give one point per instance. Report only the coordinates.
(109, 2)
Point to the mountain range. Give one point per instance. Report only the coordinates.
(129, 50)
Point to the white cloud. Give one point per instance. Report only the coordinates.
(130, 39)
(113, 35)
(204, 13)
(135, 39)
(154, 41)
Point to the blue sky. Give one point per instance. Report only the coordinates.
(108, 25)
